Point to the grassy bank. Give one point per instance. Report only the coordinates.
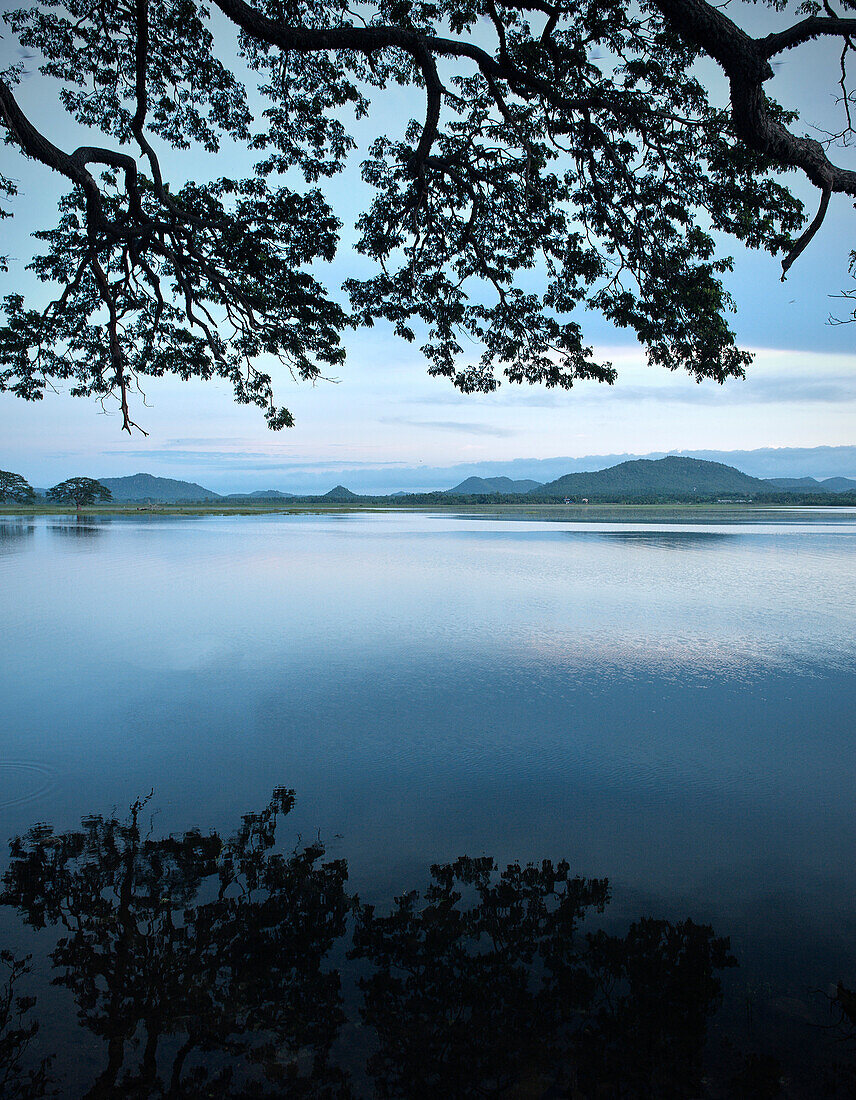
(579, 512)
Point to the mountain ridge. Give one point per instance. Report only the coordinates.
(812, 485)
(162, 490)
(632, 478)
(644, 477)
(485, 485)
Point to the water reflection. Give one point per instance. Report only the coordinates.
(196, 961)
(211, 966)
(668, 540)
(81, 527)
(18, 1029)
(15, 535)
(485, 987)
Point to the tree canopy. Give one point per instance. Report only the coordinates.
(16, 488)
(568, 156)
(79, 491)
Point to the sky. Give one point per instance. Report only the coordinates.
(384, 424)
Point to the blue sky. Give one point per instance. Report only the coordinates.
(385, 414)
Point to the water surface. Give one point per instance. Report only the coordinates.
(668, 704)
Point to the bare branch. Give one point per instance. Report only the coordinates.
(801, 243)
(815, 26)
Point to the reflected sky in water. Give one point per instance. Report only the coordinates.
(665, 704)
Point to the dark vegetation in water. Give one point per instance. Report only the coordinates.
(208, 967)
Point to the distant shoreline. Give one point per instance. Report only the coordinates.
(556, 510)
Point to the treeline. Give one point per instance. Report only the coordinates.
(414, 499)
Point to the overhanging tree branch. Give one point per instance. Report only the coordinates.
(534, 159)
(805, 31)
(745, 62)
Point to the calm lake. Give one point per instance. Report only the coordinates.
(669, 705)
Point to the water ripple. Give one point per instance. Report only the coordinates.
(39, 778)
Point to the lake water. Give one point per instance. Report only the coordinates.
(666, 704)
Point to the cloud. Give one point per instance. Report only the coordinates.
(792, 389)
(784, 389)
(506, 396)
(205, 441)
(778, 376)
(249, 460)
(468, 427)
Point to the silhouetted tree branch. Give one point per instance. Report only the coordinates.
(569, 140)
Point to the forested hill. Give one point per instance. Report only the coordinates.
(480, 485)
(812, 485)
(684, 477)
(147, 487)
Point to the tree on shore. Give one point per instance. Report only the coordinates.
(14, 487)
(568, 156)
(79, 491)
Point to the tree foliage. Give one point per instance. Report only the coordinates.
(16, 488)
(568, 156)
(79, 491)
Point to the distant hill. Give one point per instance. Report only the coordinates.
(812, 485)
(162, 490)
(478, 486)
(797, 484)
(340, 494)
(260, 494)
(656, 477)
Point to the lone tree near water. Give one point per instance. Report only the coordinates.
(79, 491)
(568, 155)
(14, 487)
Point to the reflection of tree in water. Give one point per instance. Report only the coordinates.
(13, 534)
(202, 966)
(17, 1031)
(688, 539)
(842, 1005)
(81, 527)
(486, 986)
(183, 991)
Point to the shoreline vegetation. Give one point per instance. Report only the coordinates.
(671, 482)
(429, 502)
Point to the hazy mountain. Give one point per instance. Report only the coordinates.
(812, 485)
(657, 477)
(260, 494)
(799, 484)
(339, 494)
(794, 462)
(163, 490)
(476, 486)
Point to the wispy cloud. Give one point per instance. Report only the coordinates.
(206, 441)
(250, 460)
(782, 389)
(799, 390)
(467, 427)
